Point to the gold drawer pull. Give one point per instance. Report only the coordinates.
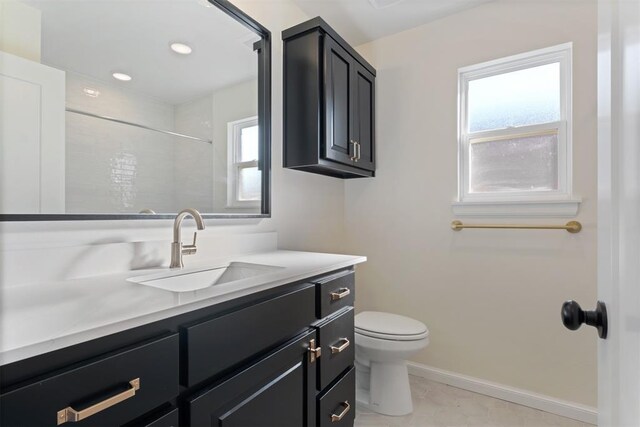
(336, 418)
(340, 348)
(69, 414)
(340, 293)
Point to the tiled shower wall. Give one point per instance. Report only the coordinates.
(193, 163)
(117, 168)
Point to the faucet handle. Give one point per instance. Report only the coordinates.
(190, 249)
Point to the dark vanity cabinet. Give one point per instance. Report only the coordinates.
(280, 357)
(276, 391)
(329, 103)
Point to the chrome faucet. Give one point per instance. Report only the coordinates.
(177, 248)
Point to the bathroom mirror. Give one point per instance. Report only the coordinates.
(132, 109)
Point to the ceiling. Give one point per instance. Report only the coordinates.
(100, 37)
(360, 22)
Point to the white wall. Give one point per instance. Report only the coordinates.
(20, 29)
(490, 298)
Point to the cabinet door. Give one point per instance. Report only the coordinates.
(278, 391)
(339, 96)
(364, 117)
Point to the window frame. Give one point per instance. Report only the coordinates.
(234, 166)
(556, 202)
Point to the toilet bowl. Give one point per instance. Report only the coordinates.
(384, 342)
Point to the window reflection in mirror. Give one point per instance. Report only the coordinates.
(126, 106)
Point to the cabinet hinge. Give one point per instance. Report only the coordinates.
(314, 352)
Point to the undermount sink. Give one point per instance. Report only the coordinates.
(202, 278)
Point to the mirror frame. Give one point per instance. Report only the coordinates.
(263, 48)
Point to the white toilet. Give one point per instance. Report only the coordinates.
(384, 342)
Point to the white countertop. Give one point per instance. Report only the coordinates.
(36, 319)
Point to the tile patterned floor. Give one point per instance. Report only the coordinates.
(439, 405)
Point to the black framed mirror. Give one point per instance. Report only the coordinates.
(129, 109)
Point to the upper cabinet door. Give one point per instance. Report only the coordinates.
(339, 98)
(364, 118)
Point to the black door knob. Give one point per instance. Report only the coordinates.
(573, 317)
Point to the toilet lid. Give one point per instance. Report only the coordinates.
(389, 326)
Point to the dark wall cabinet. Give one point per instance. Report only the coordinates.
(282, 357)
(329, 103)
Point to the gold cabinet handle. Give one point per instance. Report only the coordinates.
(340, 348)
(69, 414)
(314, 352)
(335, 418)
(340, 293)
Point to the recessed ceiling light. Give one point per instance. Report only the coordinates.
(94, 93)
(181, 48)
(121, 76)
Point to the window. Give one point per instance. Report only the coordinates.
(514, 136)
(244, 183)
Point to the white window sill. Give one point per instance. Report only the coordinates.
(242, 205)
(551, 208)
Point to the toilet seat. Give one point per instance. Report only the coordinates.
(387, 326)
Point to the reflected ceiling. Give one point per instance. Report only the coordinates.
(96, 39)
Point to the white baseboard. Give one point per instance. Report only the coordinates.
(549, 404)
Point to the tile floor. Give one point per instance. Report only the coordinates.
(440, 405)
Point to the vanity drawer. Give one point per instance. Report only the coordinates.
(105, 392)
(334, 292)
(231, 339)
(337, 406)
(338, 347)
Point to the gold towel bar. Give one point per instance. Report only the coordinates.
(571, 226)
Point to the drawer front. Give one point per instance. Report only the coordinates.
(334, 292)
(337, 406)
(338, 346)
(221, 343)
(105, 392)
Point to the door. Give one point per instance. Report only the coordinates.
(32, 132)
(278, 390)
(364, 118)
(619, 210)
(339, 102)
